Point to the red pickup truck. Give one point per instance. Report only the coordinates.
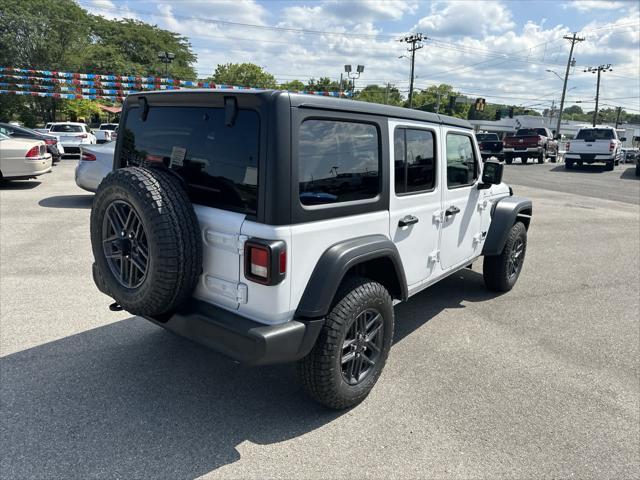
(529, 143)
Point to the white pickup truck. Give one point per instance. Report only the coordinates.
(599, 144)
(105, 132)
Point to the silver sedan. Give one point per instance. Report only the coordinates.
(96, 161)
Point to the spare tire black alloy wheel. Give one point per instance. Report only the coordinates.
(362, 346)
(124, 243)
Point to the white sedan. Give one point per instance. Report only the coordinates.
(72, 134)
(96, 161)
(21, 158)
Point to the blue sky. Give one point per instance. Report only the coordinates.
(500, 50)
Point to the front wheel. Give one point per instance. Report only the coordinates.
(352, 347)
(502, 271)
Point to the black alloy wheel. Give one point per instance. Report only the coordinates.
(362, 346)
(124, 243)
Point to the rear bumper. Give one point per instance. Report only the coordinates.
(242, 339)
(487, 154)
(589, 158)
(516, 150)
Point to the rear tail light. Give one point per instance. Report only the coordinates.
(50, 141)
(34, 152)
(265, 261)
(84, 135)
(568, 145)
(88, 157)
(611, 146)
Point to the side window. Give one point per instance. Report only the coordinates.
(414, 160)
(337, 161)
(462, 169)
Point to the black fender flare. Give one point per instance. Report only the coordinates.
(334, 264)
(504, 214)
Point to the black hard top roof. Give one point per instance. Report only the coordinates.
(328, 103)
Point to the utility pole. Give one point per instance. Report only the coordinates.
(415, 41)
(438, 102)
(619, 109)
(573, 39)
(599, 69)
(386, 94)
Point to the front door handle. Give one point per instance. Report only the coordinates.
(452, 210)
(407, 220)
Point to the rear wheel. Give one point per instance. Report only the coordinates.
(508, 159)
(352, 347)
(568, 164)
(524, 160)
(609, 166)
(502, 271)
(553, 158)
(541, 157)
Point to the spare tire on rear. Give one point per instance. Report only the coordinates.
(145, 238)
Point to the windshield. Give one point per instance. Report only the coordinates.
(108, 126)
(487, 137)
(592, 134)
(65, 128)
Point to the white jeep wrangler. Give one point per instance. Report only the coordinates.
(278, 227)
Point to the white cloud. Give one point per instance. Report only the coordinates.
(461, 18)
(108, 9)
(588, 5)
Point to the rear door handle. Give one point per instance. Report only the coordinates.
(407, 220)
(452, 210)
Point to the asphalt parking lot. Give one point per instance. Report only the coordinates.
(541, 382)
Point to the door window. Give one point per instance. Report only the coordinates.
(414, 161)
(462, 168)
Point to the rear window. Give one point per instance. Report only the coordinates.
(108, 126)
(595, 134)
(218, 163)
(338, 161)
(531, 131)
(67, 128)
(487, 137)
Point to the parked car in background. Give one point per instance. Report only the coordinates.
(45, 129)
(96, 161)
(490, 145)
(599, 144)
(629, 155)
(105, 132)
(22, 158)
(51, 141)
(537, 143)
(72, 134)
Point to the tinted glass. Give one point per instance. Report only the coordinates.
(337, 161)
(414, 160)
(487, 137)
(67, 128)
(108, 126)
(461, 164)
(595, 134)
(219, 163)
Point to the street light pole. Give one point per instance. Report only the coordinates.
(166, 58)
(359, 70)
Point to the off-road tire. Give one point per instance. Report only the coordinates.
(320, 372)
(496, 268)
(172, 235)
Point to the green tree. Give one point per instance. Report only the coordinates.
(389, 95)
(243, 75)
(292, 86)
(325, 84)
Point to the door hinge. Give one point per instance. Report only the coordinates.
(234, 291)
(434, 257)
(438, 216)
(483, 204)
(479, 237)
(226, 241)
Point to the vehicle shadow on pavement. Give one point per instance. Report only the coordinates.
(18, 184)
(630, 173)
(67, 201)
(580, 168)
(465, 285)
(131, 400)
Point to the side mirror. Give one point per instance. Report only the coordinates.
(623, 139)
(491, 174)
